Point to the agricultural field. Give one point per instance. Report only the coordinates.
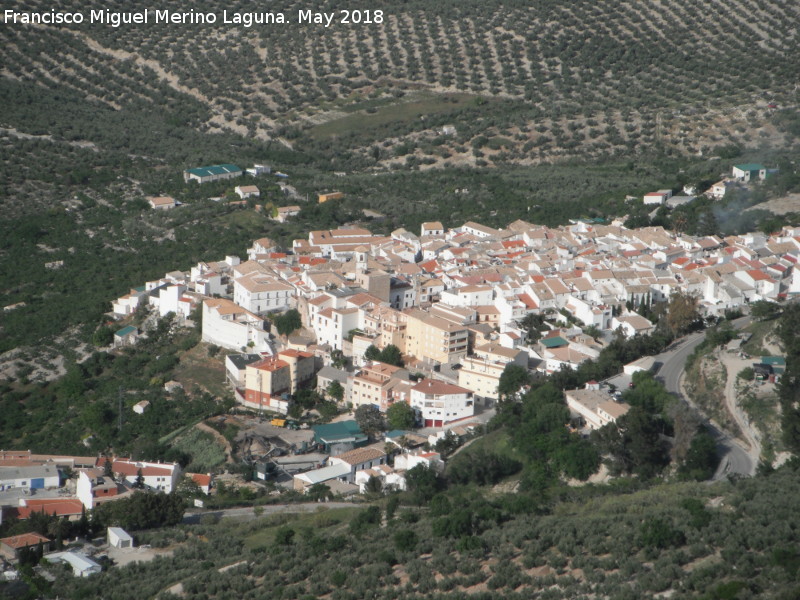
(583, 78)
(678, 540)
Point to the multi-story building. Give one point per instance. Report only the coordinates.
(440, 403)
(435, 339)
(228, 325)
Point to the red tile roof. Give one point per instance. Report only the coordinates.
(270, 364)
(432, 386)
(200, 479)
(24, 540)
(57, 506)
(130, 469)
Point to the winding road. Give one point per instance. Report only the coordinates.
(735, 458)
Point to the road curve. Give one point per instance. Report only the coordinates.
(734, 458)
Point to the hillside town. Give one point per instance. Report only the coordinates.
(455, 308)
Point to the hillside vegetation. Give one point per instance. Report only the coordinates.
(730, 540)
(520, 81)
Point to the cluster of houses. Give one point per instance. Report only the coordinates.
(741, 175)
(69, 486)
(12, 549)
(453, 301)
(353, 461)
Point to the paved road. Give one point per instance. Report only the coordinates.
(734, 458)
(193, 516)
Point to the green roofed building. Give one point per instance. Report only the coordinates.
(778, 363)
(553, 342)
(339, 437)
(212, 173)
(127, 336)
(749, 171)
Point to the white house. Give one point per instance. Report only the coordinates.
(171, 299)
(162, 477)
(127, 304)
(595, 406)
(119, 538)
(332, 325)
(247, 191)
(409, 460)
(656, 197)
(718, 190)
(140, 407)
(161, 202)
(632, 324)
(230, 326)
(389, 478)
(469, 295)
(431, 228)
(262, 293)
(358, 460)
(440, 403)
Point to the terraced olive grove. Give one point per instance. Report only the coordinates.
(521, 82)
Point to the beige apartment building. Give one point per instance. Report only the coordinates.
(481, 372)
(434, 338)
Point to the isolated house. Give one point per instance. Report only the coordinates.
(594, 406)
(202, 480)
(161, 202)
(247, 191)
(749, 172)
(330, 196)
(127, 336)
(11, 547)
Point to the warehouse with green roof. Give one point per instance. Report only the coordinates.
(212, 173)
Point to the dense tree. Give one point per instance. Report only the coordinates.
(338, 359)
(702, 458)
(369, 419)
(288, 322)
(634, 443)
(335, 390)
(400, 416)
(764, 309)
(390, 355)
(512, 379)
(141, 510)
(532, 324)
(683, 313)
(423, 483)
